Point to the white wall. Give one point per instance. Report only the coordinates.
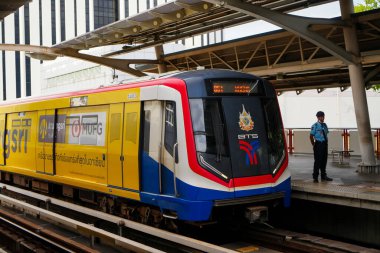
(91, 10)
(35, 66)
(298, 111)
(81, 17)
(10, 57)
(58, 20)
(22, 54)
(69, 19)
(122, 9)
(133, 7)
(46, 23)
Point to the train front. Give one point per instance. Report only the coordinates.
(237, 153)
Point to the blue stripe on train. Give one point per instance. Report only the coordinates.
(193, 203)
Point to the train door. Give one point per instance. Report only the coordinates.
(46, 138)
(123, 146)
(151, 150)
(131, 141)
(169, 149)
(115, 145)
(2, 139)
(159, 145)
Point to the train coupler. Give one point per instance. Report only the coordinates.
(256, 214)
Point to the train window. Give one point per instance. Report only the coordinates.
(131, 127)
(73, 123)
(115, 126)
(276, 145)
(170, 126)
(208, 126)
(146, 129)
(88, 124)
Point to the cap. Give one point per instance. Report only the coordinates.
(320, 114)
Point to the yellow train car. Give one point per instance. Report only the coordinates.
(87, 129)
(178, 147)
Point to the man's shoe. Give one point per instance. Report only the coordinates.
(327, 179)
(315, 181)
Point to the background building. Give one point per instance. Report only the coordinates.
(49, 22)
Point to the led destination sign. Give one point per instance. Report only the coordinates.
(234, 87)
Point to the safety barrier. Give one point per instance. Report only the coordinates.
(341, 140)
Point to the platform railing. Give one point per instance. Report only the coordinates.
(345, 140)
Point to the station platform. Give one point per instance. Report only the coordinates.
(348, 188)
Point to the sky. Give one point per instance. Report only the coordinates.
(329, 10)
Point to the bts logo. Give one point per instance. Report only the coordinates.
(250, 150)
(245, 120)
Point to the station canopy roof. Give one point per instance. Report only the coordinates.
(173, 21)
(289, 61)
(9, 6)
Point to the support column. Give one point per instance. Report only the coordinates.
(358, 91)
(159, 53)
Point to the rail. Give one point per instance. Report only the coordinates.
(76, 226)
(117, 240)
(254, 237)
(19, 234)
(289, 241)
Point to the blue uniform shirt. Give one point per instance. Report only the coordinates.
(317, 131)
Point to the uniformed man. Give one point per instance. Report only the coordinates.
(319, 140)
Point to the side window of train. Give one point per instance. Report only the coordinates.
(131, 134)
(147, 116)
(170, 128)
(115, 126)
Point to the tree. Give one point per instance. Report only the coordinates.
(369, 5)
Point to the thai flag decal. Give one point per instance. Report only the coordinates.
(250, 150)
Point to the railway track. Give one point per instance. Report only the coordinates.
(21, 235)
(142, 238)
(31, 229)
(288, 241)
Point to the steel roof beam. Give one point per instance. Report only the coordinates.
(253, 54)
(223, 61)
(295, 24)
(119, 64)
(370, 75)
(47, 53)
(317, 64)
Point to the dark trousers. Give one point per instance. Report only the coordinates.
(320, 159)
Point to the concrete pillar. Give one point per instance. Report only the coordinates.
(358, 88)
(159, 53)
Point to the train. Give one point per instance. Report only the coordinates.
(182, 146)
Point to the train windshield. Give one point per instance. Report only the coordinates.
(238, 136)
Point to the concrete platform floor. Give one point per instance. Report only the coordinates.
(349, 188)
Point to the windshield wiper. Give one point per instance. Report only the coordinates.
(254, 86)
(219, 139)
